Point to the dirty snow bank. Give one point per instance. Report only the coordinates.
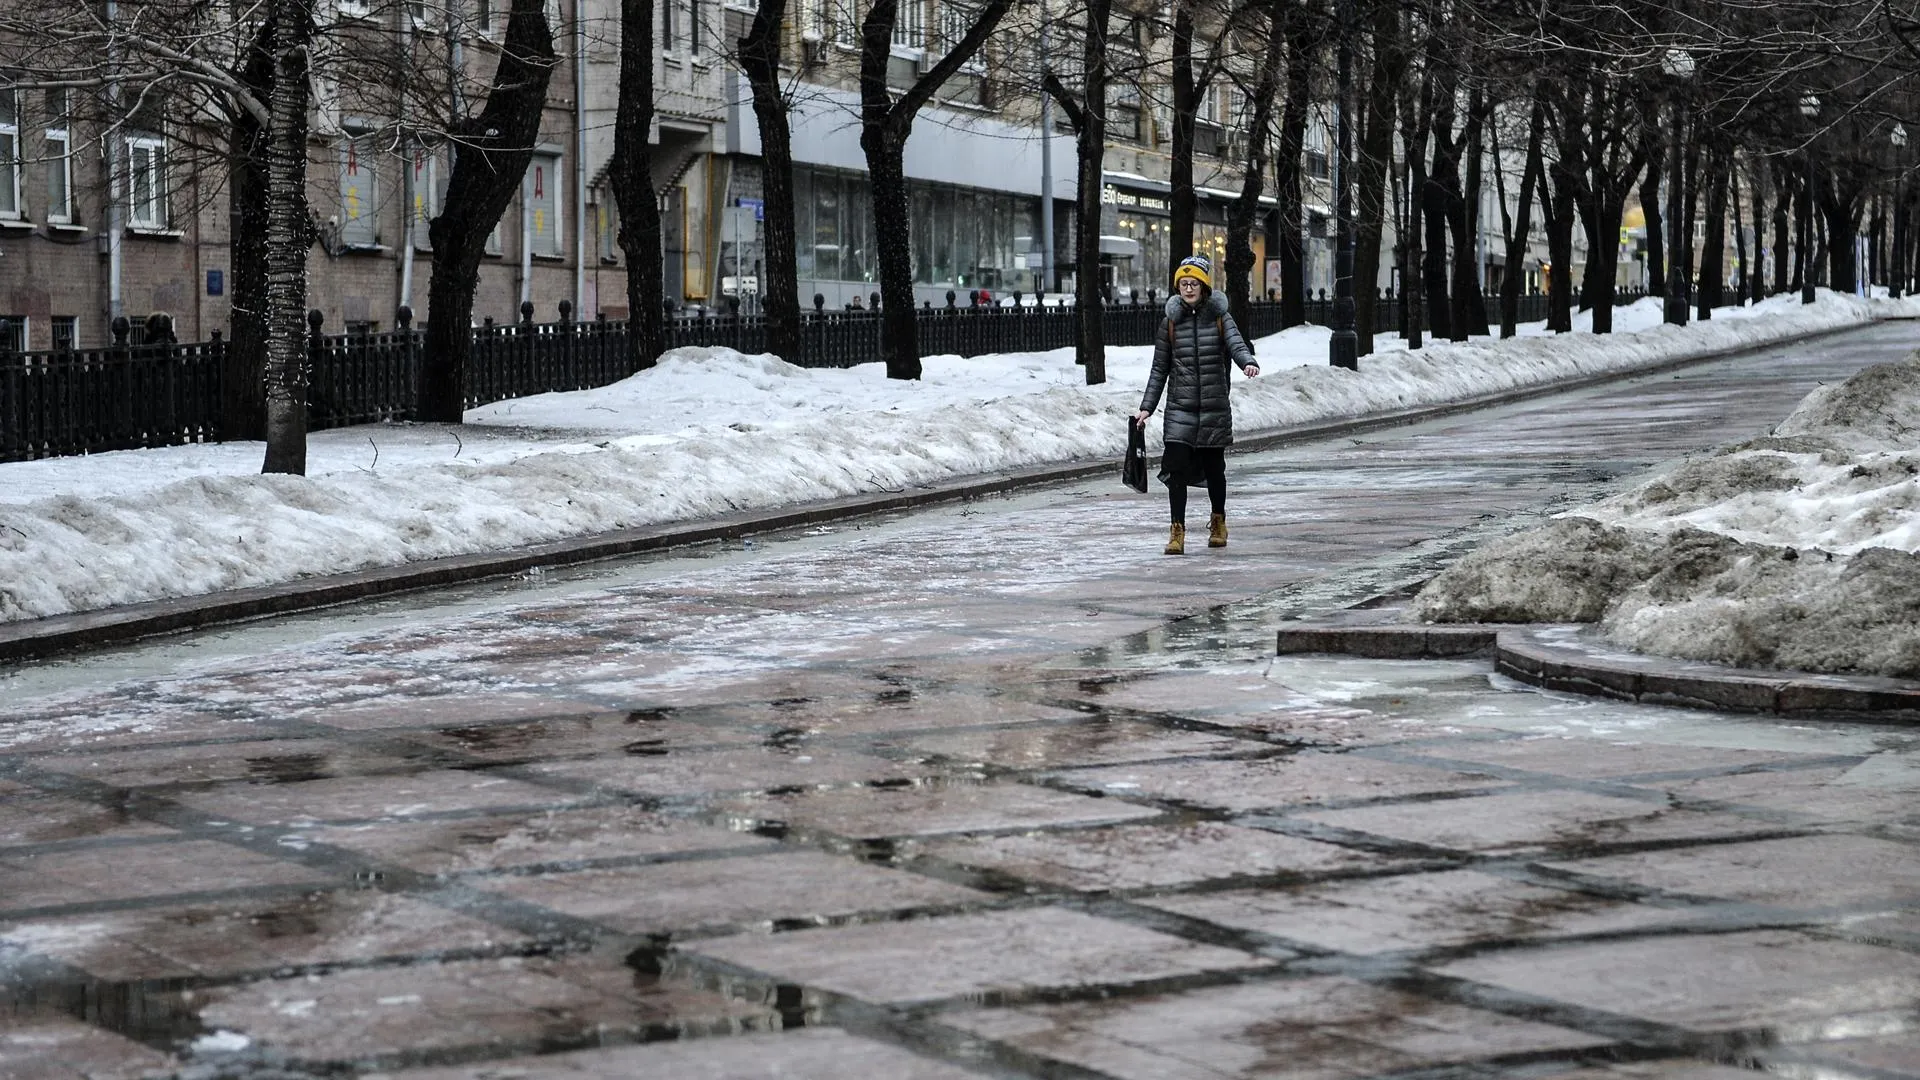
(705, 432)
(1799, 550)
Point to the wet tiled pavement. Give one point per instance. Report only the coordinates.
(989, 790)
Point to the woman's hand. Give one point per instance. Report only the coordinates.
(1141, 417)
(1251, 370)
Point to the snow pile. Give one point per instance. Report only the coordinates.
(705, 432)
(1799, 550)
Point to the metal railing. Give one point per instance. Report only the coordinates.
(126, 396)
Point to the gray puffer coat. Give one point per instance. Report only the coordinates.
(1190, 362)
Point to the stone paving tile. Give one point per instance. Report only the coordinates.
(500, 843)
(1668, 1069)
(1151, 856)
(907, 709)
(638, 732)
(27, 817)
(715, 893)
(127, 872)
(262, 761)
(934, 809)
(807, 1054)
(510, 1005)
(1595, 759)
(1887, 1055)
(47, 1048)
(1717, 982)
(362, 798)
(1297, 779)
(1325, 1028)
(1529, 820)
(411, 711)
(1090, 741)
(924, 960)
(1847, 796)
(102, 726)
(1417, 911)
(1800, 872)
(324, 927)
(758, 768)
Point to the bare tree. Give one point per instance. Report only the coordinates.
(885, 123)
(1087, 114)
(490, 156)
(760, 61)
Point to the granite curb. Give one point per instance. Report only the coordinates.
(31, 639)
(1571, 659)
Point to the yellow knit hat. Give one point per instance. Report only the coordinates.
(1197, 267)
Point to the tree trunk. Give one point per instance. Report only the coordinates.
(1516, 237)
(1655, 267)
(632, 177)
(287, 239)
(1782, 211)
(1183, 203)
(1371, 170)
(1840, 204)
(1090, 346)
(1469, 314)
(1739, 235)
(1245, 210)
(490, 156)
(1713, 247)
(1291, 247)
(1560, 249)
(1756, 279)
(243, 406)
(1413, 295)
(760, 60)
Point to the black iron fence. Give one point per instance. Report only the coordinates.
(127, 396)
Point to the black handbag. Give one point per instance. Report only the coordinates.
(1133, 470)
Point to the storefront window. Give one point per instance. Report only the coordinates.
(803, 222)
(826, 226)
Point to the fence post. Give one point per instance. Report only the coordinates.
(317, 369)
(569, 363)
(407, 385)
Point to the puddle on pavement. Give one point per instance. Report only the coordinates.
(160, 1013)
(1448, 694)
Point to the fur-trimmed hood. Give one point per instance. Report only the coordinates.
(1212, 304)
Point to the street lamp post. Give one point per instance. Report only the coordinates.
(1897, 275)
(1678, 65)
(1809, 108)
(1344, 348)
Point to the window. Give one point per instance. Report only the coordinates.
(59, 143)
(13, 333)
(693, 27)
(146, 182)
(543, 203)
(483, 16)
(841, 17)
(423, 14)
(66, 333)
(352, 9)
(669, 25)
(956, 18)
(1315, 163)
(423, 177)
(359, 193)
(10, 155)
(813, 20)
(910, 25)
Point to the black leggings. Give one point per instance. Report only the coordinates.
(1178, 462)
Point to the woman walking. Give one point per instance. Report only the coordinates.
(1192, 360)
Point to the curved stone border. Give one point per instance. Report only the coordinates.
(1563, 658)
(30, 639)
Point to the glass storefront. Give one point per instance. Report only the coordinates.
(962, 238)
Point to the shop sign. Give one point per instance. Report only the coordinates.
(1113, 196)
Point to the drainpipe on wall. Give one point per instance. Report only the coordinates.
(579, 164)
(116, 224)
(526, 240)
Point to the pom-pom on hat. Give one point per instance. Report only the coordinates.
(1197, 267)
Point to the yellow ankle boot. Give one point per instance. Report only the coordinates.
(1217, 531)
(1177, 540)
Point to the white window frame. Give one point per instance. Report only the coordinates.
(843, 27)
(353, 9)
(153, 213)
(954, 20)
(353, 147)
(910, 28)
(554, 162)
(59, 163)
(12, 160)
(813, 20)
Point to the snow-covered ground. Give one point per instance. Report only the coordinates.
(1798, 550)
(707, 431)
